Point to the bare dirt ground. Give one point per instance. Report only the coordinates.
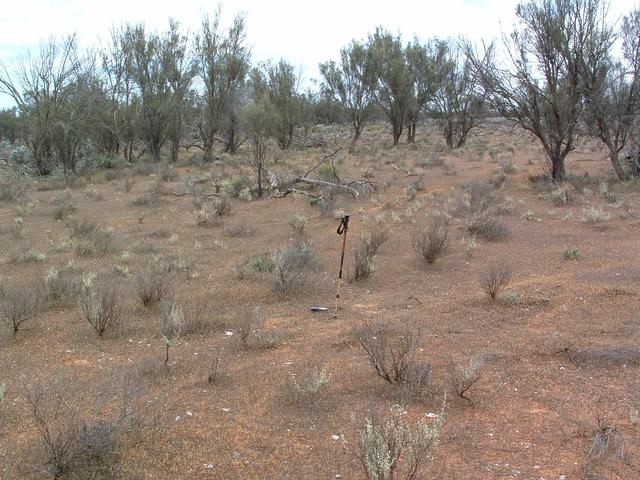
(559, 355)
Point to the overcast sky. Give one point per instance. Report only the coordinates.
(305, 33)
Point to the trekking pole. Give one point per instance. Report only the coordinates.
(343, 228)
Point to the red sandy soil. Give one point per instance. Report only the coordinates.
(534, 411)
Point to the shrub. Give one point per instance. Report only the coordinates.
(391, 446)
(248, 330)
(392, 355)
(236, 231)
(572, 254)
(98, 242)
(29, 255)
(87, 445)
(594, 216)
(19, 304)
(83, 228)
(432, 242)
(561, 196)
(101, 304)
(11, 189)
(65, 205)
(236, 186)
(221, 205)
(495, 279)
(152, 286)
(465, 377)
(605, 438)
(298, 224)
(171, 324)
(167, 173)
(61, 285)
(308, 386)
(478, 204)
(365, 252)
(290, 267)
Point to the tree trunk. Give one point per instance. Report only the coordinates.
(557, 167)
(619, 169)
(259, 180)
(175, 145)
(356, 137)
(397, 132)
(411, 132)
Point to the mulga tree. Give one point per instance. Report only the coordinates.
(260, 120)
(162, 72)
(421, 62)
(350, 84)
(74, 114)
(458, 101)
(180, 69)
(9, 124)
(613, 88)
(116, 118)
(281, 84)
(393, 80)
(223, 64)
(536, 81)
(40, 87)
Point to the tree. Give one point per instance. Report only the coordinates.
(281, 84)
(260, 119)
(393, 84)
(350, 83)
(39, 87)
(457, 103)
(162, 72)
(116, 117)
(421, 63)
(9, 124)
(536, 82)
(223, 64)
(613, 88)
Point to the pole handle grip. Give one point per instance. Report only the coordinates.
(344, 225)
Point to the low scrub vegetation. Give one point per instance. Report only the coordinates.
(432, 242)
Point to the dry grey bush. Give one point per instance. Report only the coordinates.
(152, 286)
(432, 242)
(171, 325)
(392, 355)
(61, 285)
(495, 279)
(65, 205)
(478, 205)
(87, 442)
(302, 389)
(101, 304)
(83, 228)
(290, 267)
(464, 377)
(605, 438)
(247, 327)
(389, 446)
(365, 252)
(20, 303)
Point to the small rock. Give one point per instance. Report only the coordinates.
(178, 418)
(335, 437)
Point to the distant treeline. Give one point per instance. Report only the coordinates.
(153, 93)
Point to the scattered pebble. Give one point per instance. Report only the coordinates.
(335, 437)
